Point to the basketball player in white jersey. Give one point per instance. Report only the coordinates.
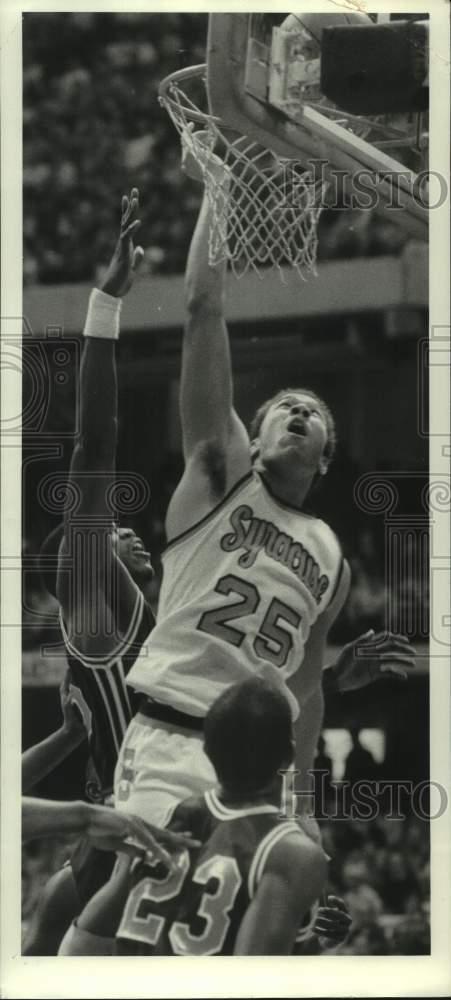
(251, 583)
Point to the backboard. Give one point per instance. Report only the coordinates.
(264, 79)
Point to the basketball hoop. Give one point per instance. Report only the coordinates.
(268, 214)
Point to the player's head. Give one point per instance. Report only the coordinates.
(297, 425)
(131, 552)
(127, 545)
(248, 736)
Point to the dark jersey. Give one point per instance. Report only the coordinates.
(198, 909)
(98, 687)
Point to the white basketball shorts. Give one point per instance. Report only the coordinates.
(158, 766)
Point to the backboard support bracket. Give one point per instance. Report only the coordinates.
(238, 96)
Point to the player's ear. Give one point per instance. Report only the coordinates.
(323, 465)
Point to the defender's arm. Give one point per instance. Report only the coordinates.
(309, 677)
(105, 827)
(291, 883)
(84, 586)
(39, 760)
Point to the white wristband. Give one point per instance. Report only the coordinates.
(103, 315)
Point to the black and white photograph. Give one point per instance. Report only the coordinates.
(226, 494)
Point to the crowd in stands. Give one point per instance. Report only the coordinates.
(379, 866)
(381, 869)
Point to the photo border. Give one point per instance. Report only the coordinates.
(333, 976)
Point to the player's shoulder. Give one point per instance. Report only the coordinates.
(97, 649)
(295, 853)
(328, 533)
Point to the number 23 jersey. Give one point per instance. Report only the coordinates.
(197, 909)
(241, 590)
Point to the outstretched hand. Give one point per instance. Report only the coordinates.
(112, 830)
(372, 656)
(126, 257)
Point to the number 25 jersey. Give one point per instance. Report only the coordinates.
(241, 590)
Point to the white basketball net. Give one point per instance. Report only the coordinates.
(264, 209)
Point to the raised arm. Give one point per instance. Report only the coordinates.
(215, 442)
(206, 391)
(86, 579)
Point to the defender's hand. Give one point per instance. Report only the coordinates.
(126, 258)
(377, 656)
(111, 830)
(73, 723)
(333, 922)
(116, 831)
